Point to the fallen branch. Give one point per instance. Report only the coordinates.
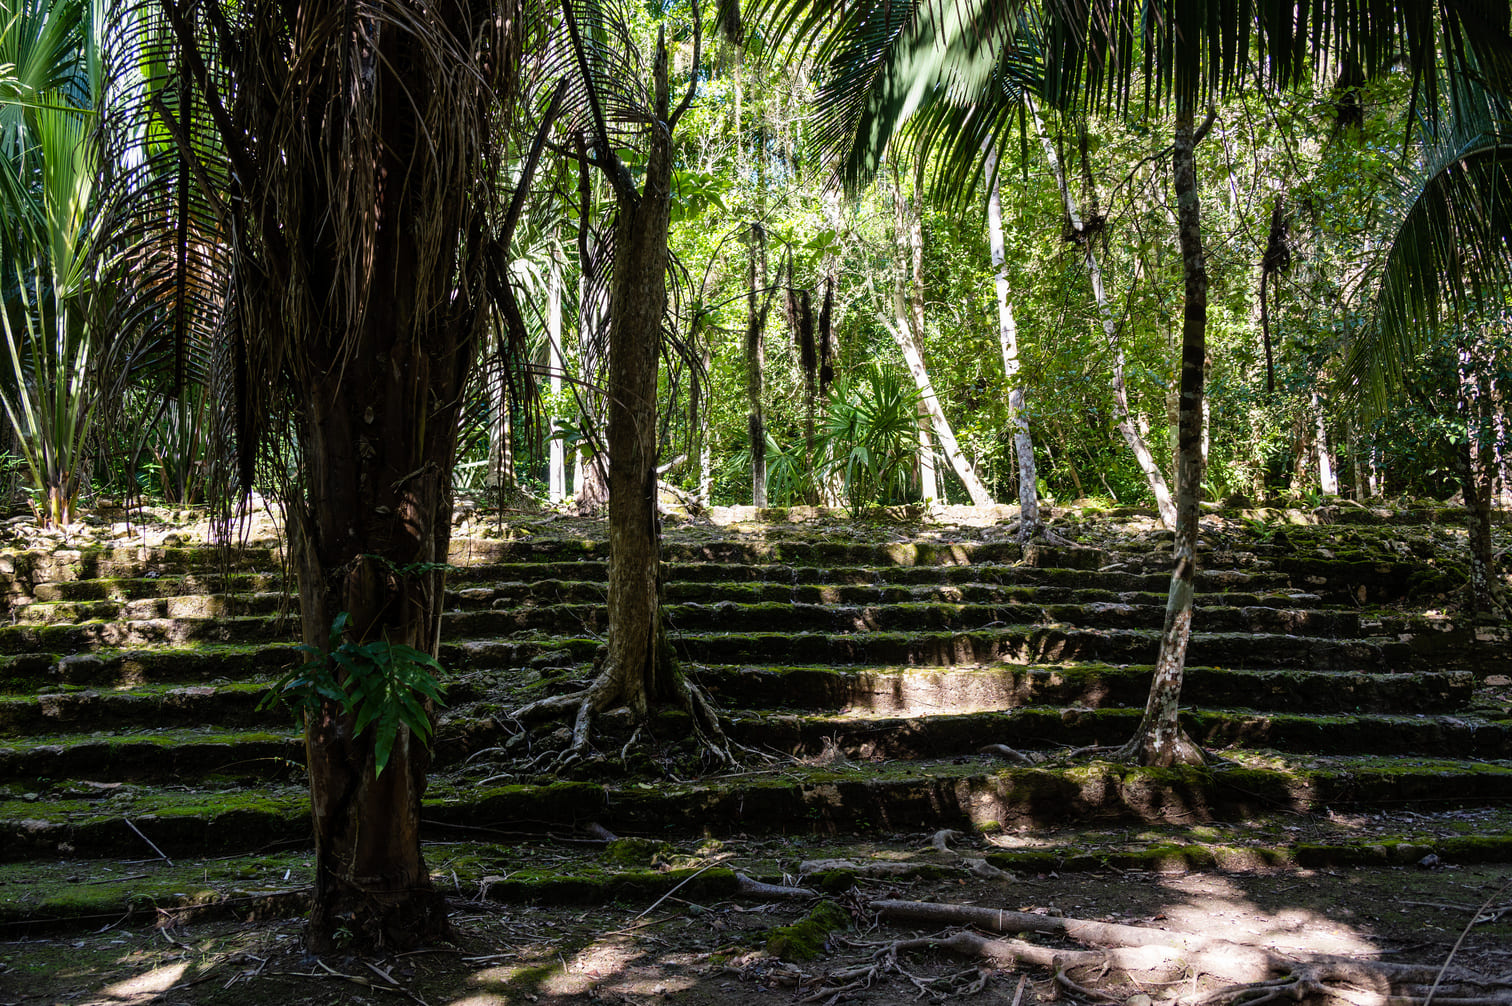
(1253, 975)
(758, 889)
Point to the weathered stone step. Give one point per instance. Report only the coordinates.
(135, 588)
(1025, 644)
(19, 571)
(48, 895)
(186, 606)
(729, 616)
(550, 578)
(923, 690)
(962, 793)
(227, 705)
(138, 752)
(160, 756)
(72, 638)
(28, 673)
(872, 738)
(232, 704)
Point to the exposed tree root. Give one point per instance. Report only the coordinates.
(610, 690)
(1250, 975)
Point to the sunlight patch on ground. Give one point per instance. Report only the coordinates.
(149, 984)
(1217, 907)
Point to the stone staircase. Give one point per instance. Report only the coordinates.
(863, 667)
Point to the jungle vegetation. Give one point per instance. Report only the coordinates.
(366, 260)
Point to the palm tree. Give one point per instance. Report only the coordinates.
(884, 59)
(1444, 273)
(49, 79)
(315, 182)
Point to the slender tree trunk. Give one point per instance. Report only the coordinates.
(639, 665)
(1328, 479)
(908, 331)
(501, 474)
(1476, 470)
(756, 312)
(1160, 739)
(1122, 415)
(591, 481)
(929, 481)
(1023, 446)
(557, 453)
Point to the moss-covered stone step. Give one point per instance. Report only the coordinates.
(70, 893)
(817, 551)
(1039, 728)
(782, 616)
(72, 638)
(135, 588)
(206, 663)
(160, 755)
(186, 606)
(969, 793)
(20, 570)
(549, 578)
(922, 690)
(158, 746)
(1053, 643)
(227, 705)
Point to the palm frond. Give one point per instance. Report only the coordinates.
(1450, 256)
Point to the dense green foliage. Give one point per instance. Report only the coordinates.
(1327, 162)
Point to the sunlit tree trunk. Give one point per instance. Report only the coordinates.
(908, 332)
(591, 479)
(556, 451)
(756, 313)
(1159, 739)
(1122, 415)
(1023, 446)
(1328, 479)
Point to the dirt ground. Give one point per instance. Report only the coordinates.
(677, 951)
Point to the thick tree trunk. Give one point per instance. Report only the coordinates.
(908, 331)
(1122, 415)
(1023, 446)
(364, 268)
(756, 312)
(1159, 739)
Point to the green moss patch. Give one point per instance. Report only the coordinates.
(807, 938)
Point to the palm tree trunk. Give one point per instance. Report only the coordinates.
(1023, 446)
(908, 332)
(1122, 415)
(1159, 739)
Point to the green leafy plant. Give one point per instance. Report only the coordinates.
(869, 436)
(382, 684)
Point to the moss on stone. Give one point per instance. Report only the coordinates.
(807, 938)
